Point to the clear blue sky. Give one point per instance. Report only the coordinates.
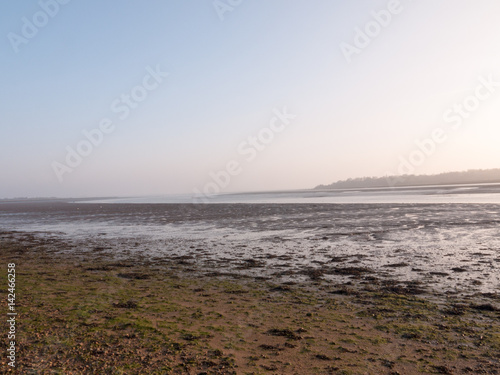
(226, 77)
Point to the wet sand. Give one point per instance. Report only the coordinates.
(285, 289)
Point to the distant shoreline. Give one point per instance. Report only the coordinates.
(278, 194)
(473, 176)
(411, 187)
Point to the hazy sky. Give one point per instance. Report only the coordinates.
(170, 91)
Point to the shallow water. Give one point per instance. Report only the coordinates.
(467, 193)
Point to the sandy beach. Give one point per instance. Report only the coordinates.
(254, 289)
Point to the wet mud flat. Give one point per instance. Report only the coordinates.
(251, 289)
(442, 249)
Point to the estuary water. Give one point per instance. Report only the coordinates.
(466, 193)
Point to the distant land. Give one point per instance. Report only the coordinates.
(49, 199)
(472, 176)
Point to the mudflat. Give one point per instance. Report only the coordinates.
(254, 289)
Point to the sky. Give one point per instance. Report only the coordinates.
(125, 98)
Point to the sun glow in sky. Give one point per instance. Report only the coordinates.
(158, 97)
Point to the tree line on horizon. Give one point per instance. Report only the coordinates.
(471, 176)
